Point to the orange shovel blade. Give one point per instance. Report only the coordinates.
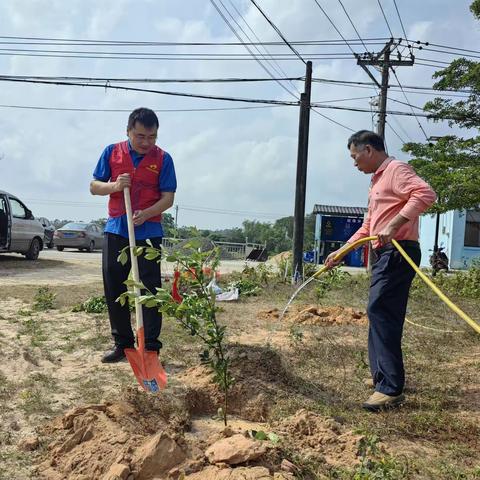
(147, 369)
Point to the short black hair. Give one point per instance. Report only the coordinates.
(366, 137)
(144, 116)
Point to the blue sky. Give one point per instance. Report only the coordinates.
(241, 161)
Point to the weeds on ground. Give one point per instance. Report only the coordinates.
(375, 464)
(33, 399)
(251, 280)
(465, 284)
(44, 300)
(333, 279)
(95, 304)
(7, 388)
(31, 326)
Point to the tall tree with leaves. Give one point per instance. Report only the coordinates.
(451, 165)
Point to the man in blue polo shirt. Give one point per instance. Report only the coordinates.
(150, 174)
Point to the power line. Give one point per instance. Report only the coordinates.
(395, 132)
(192, 208)
(280, 34)
(120, 110)
(332, 120)
(84, 42)
(225, 19)
(160, 92)
(400, 18)
(386, 21)
(403, 28)
(154, 56)
(411, 108)
(49, 41)
(264, 47)
(152, 80)
(445, 46)
(353, 25)
(347, 83)
(401, 128)
(334, 26)
(406, 103)
(389, 112)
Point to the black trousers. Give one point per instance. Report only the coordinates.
(114, 274)
(390, 284)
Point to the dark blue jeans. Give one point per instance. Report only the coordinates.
(390, 284)
(114, 274)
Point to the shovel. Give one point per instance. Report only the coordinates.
(145, 364)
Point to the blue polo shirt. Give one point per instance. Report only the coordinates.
(167, 183)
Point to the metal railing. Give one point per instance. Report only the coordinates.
(228, 250)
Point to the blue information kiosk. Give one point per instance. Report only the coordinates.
(334, 225)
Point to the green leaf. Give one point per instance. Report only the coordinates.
(260, 435)
(123, 257)
(273, 437)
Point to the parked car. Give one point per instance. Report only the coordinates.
(20, 232)
(49, 230)
(84, 236)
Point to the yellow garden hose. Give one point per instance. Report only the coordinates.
(351, 246)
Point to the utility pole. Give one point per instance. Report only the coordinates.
(176, 220)
(384, 61)
(301, 180)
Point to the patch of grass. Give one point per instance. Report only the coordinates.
(96, 342)
(32, 327)
(46, 381)
(7, 388)
(90, 389)
(44, 300)
(95, 304)
(18, 462)
(34, 400)
(332, 280)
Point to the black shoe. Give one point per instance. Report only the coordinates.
(113, 356)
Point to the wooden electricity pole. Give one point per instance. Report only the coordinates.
(301, 181)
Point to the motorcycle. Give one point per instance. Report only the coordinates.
(438, 260)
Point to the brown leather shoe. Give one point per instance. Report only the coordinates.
(379, 401)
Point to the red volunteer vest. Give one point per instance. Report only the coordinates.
(144, 191)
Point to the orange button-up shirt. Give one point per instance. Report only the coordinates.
(395, 189)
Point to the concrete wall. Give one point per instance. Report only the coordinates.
(451, 236)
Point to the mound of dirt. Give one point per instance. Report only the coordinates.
(144, 437)
(317, 315)
(280, 257)
(259, 375)
(314, 436)
(111, 442)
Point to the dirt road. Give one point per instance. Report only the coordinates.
(70, 268)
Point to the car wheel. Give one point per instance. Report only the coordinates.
(34, 250)
(60, 249)
(91, 246)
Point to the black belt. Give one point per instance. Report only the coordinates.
(402, 243)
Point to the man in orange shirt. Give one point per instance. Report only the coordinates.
(396, 199)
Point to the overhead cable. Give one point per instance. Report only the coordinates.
(278, 66)
(280, 34)
(385, 18)
(252, 54)
(160, 92)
